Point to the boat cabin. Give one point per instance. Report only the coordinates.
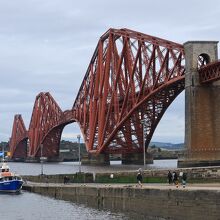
(4, 168)
(9, 182)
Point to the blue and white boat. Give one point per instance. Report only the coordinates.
(9, 182)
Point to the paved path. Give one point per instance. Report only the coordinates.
(210, 186)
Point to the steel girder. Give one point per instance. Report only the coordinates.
(45, 116)
(131, 77)
(51, 140)
(18, 140)
(210, 72)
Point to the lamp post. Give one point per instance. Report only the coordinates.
(78, 137)
(41, 159)
(143, 122)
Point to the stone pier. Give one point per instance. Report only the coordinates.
(101, 159)
(136, 159)
(202, 108)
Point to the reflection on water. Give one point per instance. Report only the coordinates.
(73, 167)
(29, 206)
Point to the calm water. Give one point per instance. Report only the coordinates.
(73, 167)
(29, 206)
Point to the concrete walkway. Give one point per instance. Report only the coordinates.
(189, 187)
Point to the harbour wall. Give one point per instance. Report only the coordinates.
(142, 203)
(194, 175)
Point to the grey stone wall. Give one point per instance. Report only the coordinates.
(178, 204)
(206, 174)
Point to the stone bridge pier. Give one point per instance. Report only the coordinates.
(202, 108)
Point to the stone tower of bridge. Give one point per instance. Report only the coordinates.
(202, 108)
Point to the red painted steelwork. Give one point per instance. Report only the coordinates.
(46, 115)
(18, 140)
(131, 77)
(51, 140)
(210, 72)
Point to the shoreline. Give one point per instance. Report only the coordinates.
(117, 191)
(196, 201)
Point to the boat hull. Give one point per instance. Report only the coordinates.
(11, 186)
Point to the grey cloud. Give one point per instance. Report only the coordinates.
(47, 46)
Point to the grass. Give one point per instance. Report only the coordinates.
(128, 179)
(106, 178)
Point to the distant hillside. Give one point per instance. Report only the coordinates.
(74, 145)
(168, 146)
(4, 145)
(70, 150)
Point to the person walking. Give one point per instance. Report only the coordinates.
(139, 178)
(175, 179)
(169, 177)
(66, 179)
(184, 177)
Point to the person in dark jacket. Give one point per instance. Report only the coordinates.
(184, 177)
(169, 177)
(139, 178)
(175, 179)
(66, 179)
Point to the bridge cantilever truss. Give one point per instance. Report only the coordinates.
(46, 126)
(46, 115)
(18, 140)
(131, 77)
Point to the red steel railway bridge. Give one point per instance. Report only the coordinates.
(132, 77)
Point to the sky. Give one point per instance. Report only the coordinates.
(46, 46)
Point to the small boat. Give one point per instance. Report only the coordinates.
(9, 182)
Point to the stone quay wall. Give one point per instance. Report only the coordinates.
(144, 203)
(206, 174)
